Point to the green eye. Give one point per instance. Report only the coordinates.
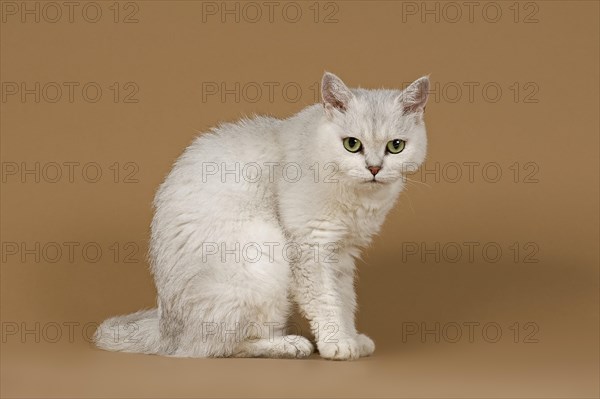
(352, 144)
(396, 146)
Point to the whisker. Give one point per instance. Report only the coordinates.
(410, 203)
(416, 181)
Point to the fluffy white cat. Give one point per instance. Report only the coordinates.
(262, 213)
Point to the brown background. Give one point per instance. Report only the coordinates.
(168, 55)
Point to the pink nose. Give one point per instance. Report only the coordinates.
(374, 169)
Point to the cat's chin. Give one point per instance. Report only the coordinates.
(374, 184)
(377, 184)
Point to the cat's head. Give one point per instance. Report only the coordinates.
(373, 137)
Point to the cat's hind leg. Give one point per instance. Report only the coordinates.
(236, 303)
(284, 346)
(270, 279)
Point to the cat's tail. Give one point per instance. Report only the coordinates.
(136, 332)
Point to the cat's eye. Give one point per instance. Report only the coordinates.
(352, 144)
(396, 146)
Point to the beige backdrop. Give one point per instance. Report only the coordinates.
(484, 281)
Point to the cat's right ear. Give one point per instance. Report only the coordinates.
(414, 98)
(335, 94)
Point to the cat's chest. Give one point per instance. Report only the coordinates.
(345, 221)
(361, 220)
(340, 216)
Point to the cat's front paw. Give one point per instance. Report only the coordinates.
(340, 349)
(366, 344)
(349, 348)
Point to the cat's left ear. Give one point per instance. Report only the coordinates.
(336, 95)
(414, 97)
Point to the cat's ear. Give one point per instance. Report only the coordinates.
(414, 97)
(334, 93)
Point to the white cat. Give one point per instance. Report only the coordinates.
(265, 212)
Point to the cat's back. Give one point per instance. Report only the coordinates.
(229, 166)
(245, 141)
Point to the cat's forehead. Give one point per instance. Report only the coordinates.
(375, 114)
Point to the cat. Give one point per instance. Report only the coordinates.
(262, 213)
